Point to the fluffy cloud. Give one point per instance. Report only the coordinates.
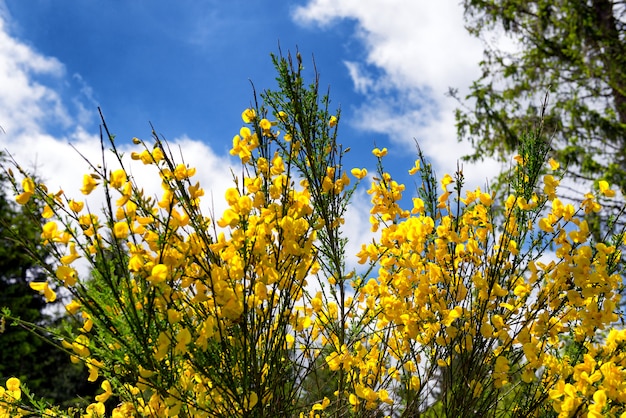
(416, 43)
(49, 134)
(415, 51)
(24, 104)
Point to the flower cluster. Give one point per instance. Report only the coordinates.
(463, 304)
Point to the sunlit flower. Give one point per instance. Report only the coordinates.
(605, 189)
(379, 153)
(89, 183)
(554, 165)
(108, 391)
(44, 289)
(359, 173)
(248, 115)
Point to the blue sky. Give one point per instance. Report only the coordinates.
(183, 65)
(186, 66)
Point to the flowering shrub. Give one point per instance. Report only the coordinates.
(462, 305)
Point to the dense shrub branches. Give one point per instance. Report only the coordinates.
(462, 305)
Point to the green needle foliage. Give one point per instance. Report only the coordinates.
(573, 51)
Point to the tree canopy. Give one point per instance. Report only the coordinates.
(573, 51)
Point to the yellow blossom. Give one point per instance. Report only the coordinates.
(108, 391)
(121, 230)
(75, 206)
(605, 189)
(67, 275)
(445, 181)
(248, 115)
(359, 173)
(379, 152)
(89, 183)
(118, 178)
(415, 168)
(554, 165)
(159, 273)
(44, 289)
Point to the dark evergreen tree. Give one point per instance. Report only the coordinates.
(26, 352)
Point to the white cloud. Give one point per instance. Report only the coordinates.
(45, 132)
(420, 49)
(417, 43)
(358, 228)
(24, 104)
(362, 82)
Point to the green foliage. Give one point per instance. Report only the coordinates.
(575, 52)
(26, 317)
(567, 73)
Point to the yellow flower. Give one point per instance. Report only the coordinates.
(182, 172)
(248, 115)
(23, 198)
(554, 165)
(28, 185)
(502, 365)
(29, 188)
(13, 389)
(550, 185)
(282, 116)
(118, 178)
(72, 256)
(418, 206)
(72, 307)
(89, 183)
(159, 274)
(121, 230)
(67, 275)
(605, 189)
(359, 173)
(95, 410)
(379, 152)
(108, 391)
(94, 369)
(321, 406)
(229, 218)
(289, 339)
(44, 289)
(47, 212)
(599, 397)
(251, 401)
(266, 125)
(485, 199)
(589, 204)
(183, 338)
(75, 206)
(13, 383)
(50, 231)
(157, 154)
(445, 181)
(415, 168)
(545, 225)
